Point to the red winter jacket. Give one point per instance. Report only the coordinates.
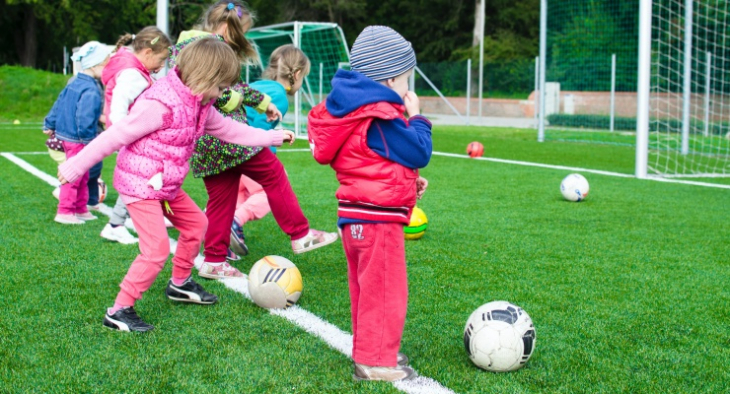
(371, 187)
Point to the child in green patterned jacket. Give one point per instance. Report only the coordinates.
(221, 164)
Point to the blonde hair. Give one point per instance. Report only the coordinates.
(238, 18)
(285, 62)
(149, 37)
(207, 63)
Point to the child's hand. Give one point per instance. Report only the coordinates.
(289, 136)
(421, 185)
(272, 113)
(48, 132)
(62, 179)
(413, 105)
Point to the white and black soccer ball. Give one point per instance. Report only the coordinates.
(499, 337)
(574, 187)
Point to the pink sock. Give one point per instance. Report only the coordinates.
(179, 281)
(116, 307)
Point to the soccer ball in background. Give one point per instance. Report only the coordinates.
(499, 337)
(475, 149)
(418, 225)
(574, 187)
(102, 190)
(275, 282)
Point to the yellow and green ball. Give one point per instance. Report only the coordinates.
(418, 225)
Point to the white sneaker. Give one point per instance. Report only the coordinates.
(313, 240)
(86, 216)
(68, 219)
(118, 234)
(218, 271)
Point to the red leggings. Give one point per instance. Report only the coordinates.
(376, 270)
(265, 169)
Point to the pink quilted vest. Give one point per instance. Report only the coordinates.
(122, 60)
(167, 150)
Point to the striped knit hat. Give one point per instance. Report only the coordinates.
(381, 53)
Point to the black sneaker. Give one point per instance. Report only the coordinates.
(126, 319)
(189, 292)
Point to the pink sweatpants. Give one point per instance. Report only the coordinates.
(154, 244)
(74, 195)
(376, 270)
(252, 203)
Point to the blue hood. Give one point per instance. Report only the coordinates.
(351, 90)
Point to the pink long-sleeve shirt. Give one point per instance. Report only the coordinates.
(147, 117)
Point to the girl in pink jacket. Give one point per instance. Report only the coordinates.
(126, 77)
(155, 142)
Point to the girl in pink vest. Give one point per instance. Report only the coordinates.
(155, 143)
(126, 76)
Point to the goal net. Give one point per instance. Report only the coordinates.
(689, 100)
(325, 46)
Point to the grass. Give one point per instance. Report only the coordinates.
(626, 289)
(28, 94)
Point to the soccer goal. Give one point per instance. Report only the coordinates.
(325, 46)
(683, 120)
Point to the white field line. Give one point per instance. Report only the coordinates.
(530, 164)
(329, 333)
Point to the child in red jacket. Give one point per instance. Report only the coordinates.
(376, 151)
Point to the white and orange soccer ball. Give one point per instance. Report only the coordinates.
(275, 282)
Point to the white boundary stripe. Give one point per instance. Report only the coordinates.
(329, 333)
(28, 167)
(578, 169)
(516, 162)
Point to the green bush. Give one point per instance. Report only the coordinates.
(603, 122)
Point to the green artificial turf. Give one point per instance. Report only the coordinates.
(627, 289)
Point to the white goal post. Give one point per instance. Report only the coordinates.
(683, 112)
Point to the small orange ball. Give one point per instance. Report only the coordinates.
(475, 149)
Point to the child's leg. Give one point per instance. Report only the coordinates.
(154, 247)
(119, 213)
(252, 202)
(73, 192)
(192, 223)
(93, 183)
(266, 169)
(378, 290)
(222, 194)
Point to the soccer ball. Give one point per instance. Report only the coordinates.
(418, 225)
(275, 282)
(102, 190)
(574, 187)
(499, 337)
(475, 149)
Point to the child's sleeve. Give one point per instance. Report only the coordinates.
(130, 84)
(143, 119)
(251, 98)
(49, 122)
(229, 130)
(408, 144)
(88, 111)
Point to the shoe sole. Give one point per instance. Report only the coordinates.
(315, 246)
(88, 219)
(189, 299)
(408, 377)
(68, 222)
(120, 240)
(119, 326)
(211, 276)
